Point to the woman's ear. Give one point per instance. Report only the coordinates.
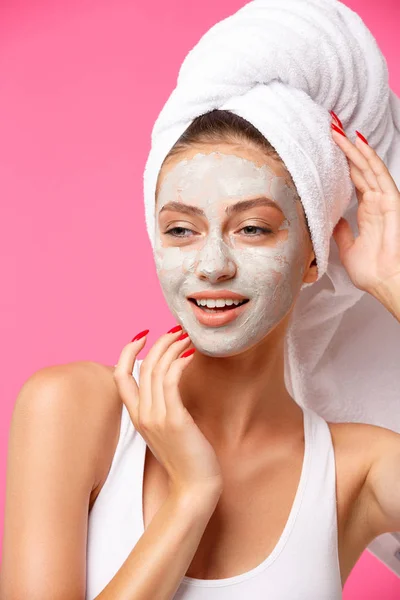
(311, 272)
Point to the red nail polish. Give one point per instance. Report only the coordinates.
(360, 135)
(337, 129)
(187, 353)
(182, 337)
(337, 119)
(140, 335)
(175, 329)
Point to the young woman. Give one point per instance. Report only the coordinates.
(201, 477)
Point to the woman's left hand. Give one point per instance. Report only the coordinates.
(372, 260)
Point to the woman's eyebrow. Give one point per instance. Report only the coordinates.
(252, 203)
(230, 210)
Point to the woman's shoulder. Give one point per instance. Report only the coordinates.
(63, 434)
(104, 408)
(84, 395)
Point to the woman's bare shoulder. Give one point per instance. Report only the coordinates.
(87, 389)
(63, 434)
(105, 406)
(109, 423)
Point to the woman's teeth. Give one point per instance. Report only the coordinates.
(219, 303)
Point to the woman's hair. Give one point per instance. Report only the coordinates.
(223, 126)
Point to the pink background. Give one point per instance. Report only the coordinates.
(81, 85)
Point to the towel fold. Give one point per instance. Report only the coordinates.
(283, 65)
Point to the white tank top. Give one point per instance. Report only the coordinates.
(304, 564)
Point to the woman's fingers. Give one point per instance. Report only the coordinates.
(126, 384)
(161, 369)
(357, 158)
(172, 399)
(369, 173)
(370, 170)
(146, 402)
(358, 179)
(380, 170)
(147, 368)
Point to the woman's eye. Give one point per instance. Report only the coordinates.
(263, 229)
(178, 231)
(169, 232)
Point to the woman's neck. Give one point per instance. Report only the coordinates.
(236, 399)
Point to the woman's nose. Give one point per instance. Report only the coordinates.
(214, 262)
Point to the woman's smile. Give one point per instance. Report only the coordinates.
(217, 316)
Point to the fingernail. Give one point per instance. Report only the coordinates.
(337, 119)
(140, 335)
(360, 135)
(182, 337)
(337, 129)
(187, 353)
(175, 329)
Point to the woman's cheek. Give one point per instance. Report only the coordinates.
(169, 271)
(274, 274)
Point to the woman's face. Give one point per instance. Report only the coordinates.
(208, 240)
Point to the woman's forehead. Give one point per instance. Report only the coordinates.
(216, 176)
(218, 154)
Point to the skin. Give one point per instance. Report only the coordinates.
(234, 387)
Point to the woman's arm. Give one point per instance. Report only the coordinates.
(59, 429)
(163, 554)
(56, 456)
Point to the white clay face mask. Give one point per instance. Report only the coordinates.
(228, 251)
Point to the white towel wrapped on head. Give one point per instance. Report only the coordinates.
(283, 65)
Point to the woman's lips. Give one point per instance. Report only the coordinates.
(217, 319)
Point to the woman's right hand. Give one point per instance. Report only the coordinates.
(157, 412)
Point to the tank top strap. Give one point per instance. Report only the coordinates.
(316, 524)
